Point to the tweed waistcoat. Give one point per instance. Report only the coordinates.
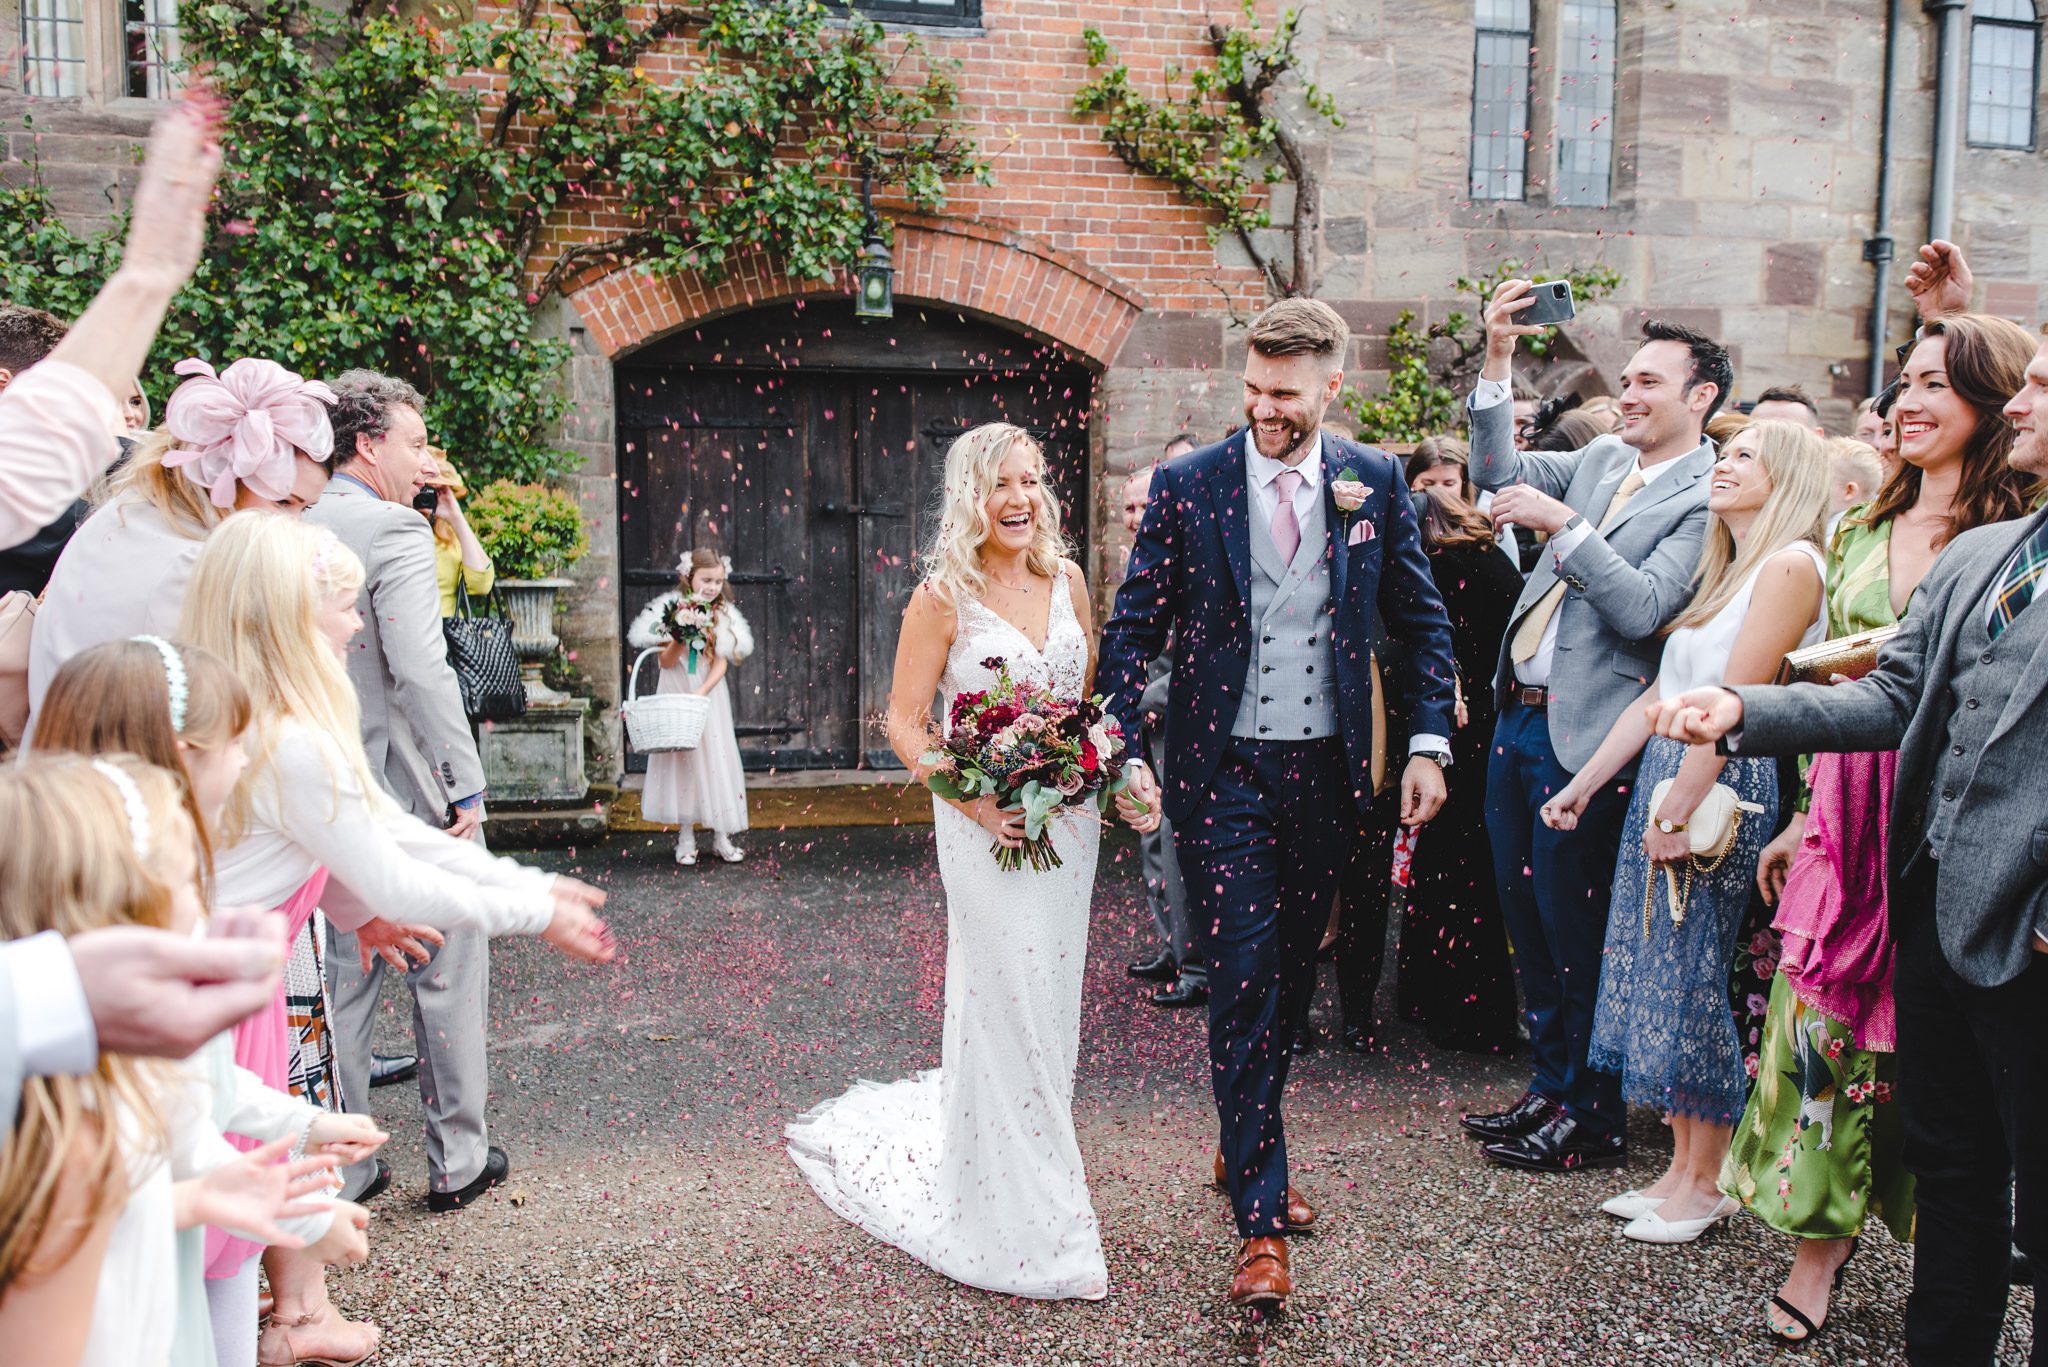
(1290, 692)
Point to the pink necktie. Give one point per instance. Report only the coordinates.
(1286, 526)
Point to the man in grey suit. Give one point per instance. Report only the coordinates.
(1178, 965)
(1959, 693)
(1625, 516)
(419, 745)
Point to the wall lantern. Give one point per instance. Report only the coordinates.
(876, 274)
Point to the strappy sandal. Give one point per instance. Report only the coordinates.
(1812, 1330)
(275, 1348)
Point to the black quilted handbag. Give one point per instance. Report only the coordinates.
(480, 652)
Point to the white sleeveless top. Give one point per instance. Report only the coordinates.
(1697, 657)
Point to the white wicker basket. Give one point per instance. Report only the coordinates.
(662, 721)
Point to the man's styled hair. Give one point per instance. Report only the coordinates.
(1178, 438)
(363, 401)
(27, 335)
(1789, 393)
(1300, 327)
(1710, 363)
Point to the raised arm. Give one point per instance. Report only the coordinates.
(1495, 461)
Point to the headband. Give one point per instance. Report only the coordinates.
(175, 682)
(685, 568)
(246, 424)
(131, 799)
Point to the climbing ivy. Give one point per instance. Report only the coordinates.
(391, 185)
(1220, 139)
(1430, 369)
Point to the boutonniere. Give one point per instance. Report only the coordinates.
(1349, 492)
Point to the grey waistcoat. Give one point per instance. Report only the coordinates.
(1291, 691)
(1987, 671)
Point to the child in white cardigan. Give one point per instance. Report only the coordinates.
(705, 786)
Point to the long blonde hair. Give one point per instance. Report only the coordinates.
(1795, 510)
(183, 504)
(69, 864)
(953, 569)
(255, 595)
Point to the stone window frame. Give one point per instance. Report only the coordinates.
(1573, 99)
(945, 14)
(2007, 17)
(1539, 208)
(1498, 25)
(107, 66)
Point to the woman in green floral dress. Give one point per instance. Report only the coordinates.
(1817, 1152)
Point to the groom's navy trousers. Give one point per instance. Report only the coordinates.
(1260, 858)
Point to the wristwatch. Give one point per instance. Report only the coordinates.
(1441, 757)
(1576, 519)
(1669, 827)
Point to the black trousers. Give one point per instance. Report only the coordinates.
(1973, 1082)
(1260, 857)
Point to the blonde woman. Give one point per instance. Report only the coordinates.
(972, 1168)
(1662, 1020)
(253, 436)
(276, 599)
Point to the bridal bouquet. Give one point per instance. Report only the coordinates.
(687, 621)
(1030, 751)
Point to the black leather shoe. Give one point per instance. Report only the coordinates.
(1307, 1040)
(1181, 992)
(1360, 1040)
(1517, 1120)
(386, 1069)
(1160, 968)
(1560, 1144)
(496, 1165)
(376, 1185)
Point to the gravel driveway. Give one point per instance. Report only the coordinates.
(652, 1218)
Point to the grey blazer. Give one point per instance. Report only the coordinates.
(1622, 586)
(414, 729)
(1991, 887)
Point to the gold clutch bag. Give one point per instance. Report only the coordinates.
(1849, 656)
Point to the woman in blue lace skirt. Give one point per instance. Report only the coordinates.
(1661, 1018)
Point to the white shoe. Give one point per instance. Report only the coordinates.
(722, 846)
(686, 851)
(1655, 1229)
(1631, 1205)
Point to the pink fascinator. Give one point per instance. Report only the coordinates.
(247, 423)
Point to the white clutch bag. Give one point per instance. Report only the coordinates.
(1711, 834)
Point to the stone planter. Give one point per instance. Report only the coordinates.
(531, 605)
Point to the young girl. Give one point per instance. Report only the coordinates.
(704, 786)
(1661, 1019)
(183, 709)
(308, 824)
(100, 1172)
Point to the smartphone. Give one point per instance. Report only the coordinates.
(1553, 303)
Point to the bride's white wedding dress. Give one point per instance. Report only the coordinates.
(972, 1167)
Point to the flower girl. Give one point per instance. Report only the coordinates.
(701, 634)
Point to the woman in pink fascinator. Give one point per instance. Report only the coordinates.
(253, 435)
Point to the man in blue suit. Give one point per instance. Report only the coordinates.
(1262, 557)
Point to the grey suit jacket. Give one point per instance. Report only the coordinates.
(1991, 888)
(1622, 586)
(414, 729)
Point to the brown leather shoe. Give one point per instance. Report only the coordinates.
(1262, 1281)
(1301, 1216)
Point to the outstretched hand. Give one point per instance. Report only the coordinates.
(1699, 717)
(1940, 281)
(168, 228)
(250, 1193)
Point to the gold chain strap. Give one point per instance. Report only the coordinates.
(1692, 862)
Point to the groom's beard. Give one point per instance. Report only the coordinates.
(1297, 439)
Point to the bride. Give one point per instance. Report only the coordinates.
(972, 1167)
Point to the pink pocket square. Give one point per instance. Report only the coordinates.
(1361, 532)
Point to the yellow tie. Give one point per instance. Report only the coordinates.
(1529, 635)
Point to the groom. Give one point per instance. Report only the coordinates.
(1262, 558)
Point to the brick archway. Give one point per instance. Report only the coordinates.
(1001, 276)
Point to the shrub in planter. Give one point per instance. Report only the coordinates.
(529, 530)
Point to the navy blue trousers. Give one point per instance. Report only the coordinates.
(1260, 858)
(1555, 889)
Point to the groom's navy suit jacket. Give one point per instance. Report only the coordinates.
(1190, 578)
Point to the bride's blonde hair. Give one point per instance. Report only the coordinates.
(1795, 510)
(953, 569)
(254, 601)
